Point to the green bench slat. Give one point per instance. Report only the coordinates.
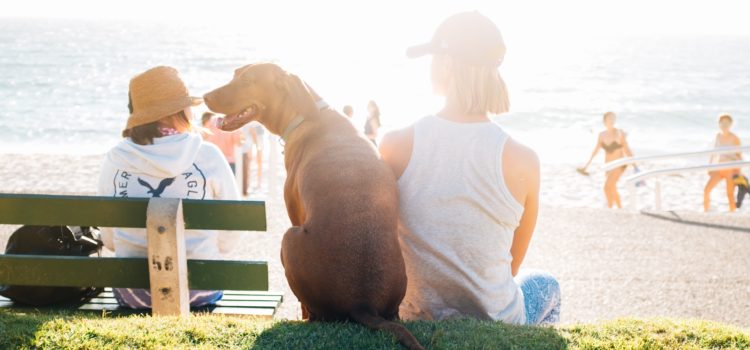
(28, 209)
(246, 305)
(68, 271)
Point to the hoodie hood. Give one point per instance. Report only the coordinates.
(167, 157)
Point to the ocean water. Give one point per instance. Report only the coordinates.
(63, 88)
(63, 83)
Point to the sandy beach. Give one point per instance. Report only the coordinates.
(610, 263)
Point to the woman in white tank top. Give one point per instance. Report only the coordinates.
(468, 192)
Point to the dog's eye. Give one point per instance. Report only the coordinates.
(246, 79)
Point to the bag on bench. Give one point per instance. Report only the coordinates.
(52, 240)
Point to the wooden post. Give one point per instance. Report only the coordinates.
(167, 259)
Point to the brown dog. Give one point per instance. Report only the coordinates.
(342, 257)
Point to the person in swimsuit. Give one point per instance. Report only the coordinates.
(372, 125)
(254, 135)
(615, 145)
(348, 111)
(725, 138)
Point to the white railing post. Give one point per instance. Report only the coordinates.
(633, 196)
(657, 195)
(238, 167)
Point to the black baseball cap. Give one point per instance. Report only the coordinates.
(467, 36)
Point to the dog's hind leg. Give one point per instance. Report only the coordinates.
(292, 259)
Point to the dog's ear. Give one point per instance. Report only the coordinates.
(239, 71)
(300, 96)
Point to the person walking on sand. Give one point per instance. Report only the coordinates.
(226, 141)
(254, 135)
(372, 125)
(615, 145)
(469, 193)
(725, 138)
(160, 156)
(348, 111)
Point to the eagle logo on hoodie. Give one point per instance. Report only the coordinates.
(189, 184)
(156, 193)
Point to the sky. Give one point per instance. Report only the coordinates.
(534, 17)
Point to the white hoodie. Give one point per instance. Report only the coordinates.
(176, 166)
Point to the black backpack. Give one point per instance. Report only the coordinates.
(52, 240)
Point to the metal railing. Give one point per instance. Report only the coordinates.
(714, 151)
(632, 180)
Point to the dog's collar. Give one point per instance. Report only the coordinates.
(298, 120)
(292, 125)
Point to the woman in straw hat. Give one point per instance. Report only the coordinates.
(469, 192)
(160, 156)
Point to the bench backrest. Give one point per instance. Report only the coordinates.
(165, 221)
(30, 209)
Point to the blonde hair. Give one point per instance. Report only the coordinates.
(726, 116)
(477, 89)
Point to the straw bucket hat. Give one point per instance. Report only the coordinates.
(157, 93)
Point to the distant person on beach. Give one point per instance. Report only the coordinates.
(725, 138)
(469, 193)
(372, 125)
(348, 111)
(160, 156)
(615, 145)
(226, 141)
(254, 135)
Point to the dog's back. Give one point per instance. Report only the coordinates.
(351, 214)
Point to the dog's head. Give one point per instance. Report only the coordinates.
(262, 92)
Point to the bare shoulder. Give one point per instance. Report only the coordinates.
(397, 138)
(520, 170)
(520, 157)
(396, 147)
(735, 138)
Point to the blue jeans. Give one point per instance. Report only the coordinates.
(541, 294)
(135, 298)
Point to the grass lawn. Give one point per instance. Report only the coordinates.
(87, 331)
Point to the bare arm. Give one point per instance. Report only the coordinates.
(713, 157)
(395, 149)
(625, 146)
(738, 143)
(527, 170)
(593, 153)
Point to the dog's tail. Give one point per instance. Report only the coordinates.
(371, 320)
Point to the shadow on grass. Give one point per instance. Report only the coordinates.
(17, 332)
(673, 217)
(457, 334)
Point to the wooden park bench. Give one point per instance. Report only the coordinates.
(166, 271)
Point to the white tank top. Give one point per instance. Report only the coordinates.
(457, 224)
